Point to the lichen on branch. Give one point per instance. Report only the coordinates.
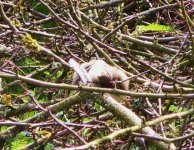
(30, 43)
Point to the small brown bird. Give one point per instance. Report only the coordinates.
(103, 75)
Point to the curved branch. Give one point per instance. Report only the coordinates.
(95, 89)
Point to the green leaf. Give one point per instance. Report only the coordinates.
(172, 108)
(21, 140)
(151, 27)
(29, 114)
(49, 146)
(40, 8)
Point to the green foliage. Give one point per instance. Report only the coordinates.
(174, 108)
(28, 114)
(151, 27)
(21, 139)
(27, 66)
(14, 89)
(86, 132)
(49, 25)
(3, 128)
(39, 7)
(98, 107)
(49, 146)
